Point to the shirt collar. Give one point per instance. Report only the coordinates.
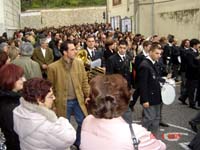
(153, 62)
(145, 54)
(122, 56)
(193, 49)
(170, 44)
(43, 49)
(90, 50)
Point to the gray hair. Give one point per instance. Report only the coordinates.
(26, 49)
(2, 45)
(43, 40)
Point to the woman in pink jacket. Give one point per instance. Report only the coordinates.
(104, 128)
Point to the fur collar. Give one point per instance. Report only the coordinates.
(49, 114)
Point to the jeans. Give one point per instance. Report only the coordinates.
(73, 107)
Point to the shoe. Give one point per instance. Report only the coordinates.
(193, 126)
(182, 101)
(163, 124)
(131, 106)
(194, 107)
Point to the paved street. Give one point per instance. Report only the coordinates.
(177, 116)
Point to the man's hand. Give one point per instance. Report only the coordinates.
(44, 66)
(146, 104)
(169, 75)
(87, 100)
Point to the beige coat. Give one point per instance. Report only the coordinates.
(57, 74)
(31, 68)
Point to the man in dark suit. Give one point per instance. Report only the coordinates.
(150, 89)
(44, 56)
(93, 53)
(192, 71)
(184, 47)
(138, 59)
(167, 52)
(119, 63)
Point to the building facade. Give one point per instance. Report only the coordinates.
(9, 16)
(120, 13)
(178, 17)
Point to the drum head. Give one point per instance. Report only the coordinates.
(168, 94)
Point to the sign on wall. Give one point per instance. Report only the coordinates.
(115, 22)
(126, 24)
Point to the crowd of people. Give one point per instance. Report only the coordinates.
(44, 81)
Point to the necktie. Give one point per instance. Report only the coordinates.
(93, 54)
(124, 58)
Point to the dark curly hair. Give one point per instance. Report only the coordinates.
(36, 88)
(109, 96)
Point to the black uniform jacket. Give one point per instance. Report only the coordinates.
(116, 65)
(149, 83)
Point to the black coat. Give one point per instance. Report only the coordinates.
(97, 54)
(8, 101)
(106, 55)
(116, 65)
(138, 59)
(192, 67)
(175, 54)
(183, 54)
(195, 143)
(167, 52)
(149, 83)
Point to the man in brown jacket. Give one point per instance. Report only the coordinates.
(44, 56)
(70, 85)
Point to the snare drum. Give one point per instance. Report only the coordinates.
(168, 93)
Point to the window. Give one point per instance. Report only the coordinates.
(116, 2)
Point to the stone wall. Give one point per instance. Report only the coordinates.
(9, 16)
(62, 17)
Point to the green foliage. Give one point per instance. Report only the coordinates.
(31, 4)
(74, 2)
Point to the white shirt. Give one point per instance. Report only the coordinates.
(145, 54)
(170, 44)
(90, 51)
(148, 57)
(43, 52)
(122, 56)
(194, 50)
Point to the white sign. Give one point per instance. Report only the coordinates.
(126, 25)
(95, 63)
